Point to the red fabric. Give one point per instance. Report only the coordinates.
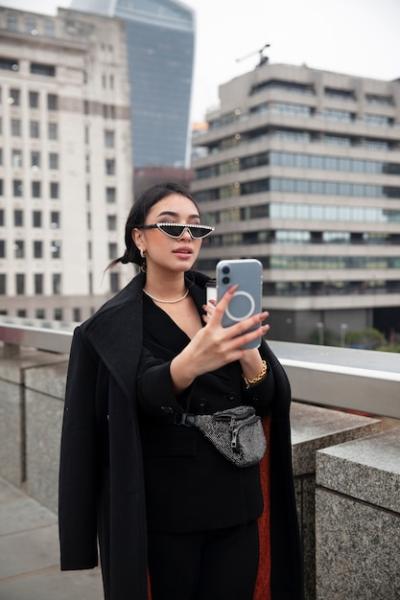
(262, 589)
(148, 586)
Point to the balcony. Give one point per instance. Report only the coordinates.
(345, 424)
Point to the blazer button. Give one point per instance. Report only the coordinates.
(231, 397)
(167, 409)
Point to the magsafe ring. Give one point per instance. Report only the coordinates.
(252, 306)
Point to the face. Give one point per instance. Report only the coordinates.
(161, 249)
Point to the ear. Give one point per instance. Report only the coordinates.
(136, 235)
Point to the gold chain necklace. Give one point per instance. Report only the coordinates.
(168, 301)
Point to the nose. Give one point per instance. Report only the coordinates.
(186, 235)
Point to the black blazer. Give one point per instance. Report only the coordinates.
(190, 486)
(101, 478)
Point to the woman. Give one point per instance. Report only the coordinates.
(174, 519)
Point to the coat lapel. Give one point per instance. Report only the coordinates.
(116, 329)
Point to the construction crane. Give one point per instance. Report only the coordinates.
(262, 59)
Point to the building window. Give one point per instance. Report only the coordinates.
(52, 131)
(12, 22)
(38, 284)
(88, 192)
(110, 166)
(2, 220)
(76, 315)
(111, 195)
(52, 102)
(87, 134)
(21, 312)
(1, 187)
(56, 283)
(109, 138)
(18, 218)
(54, 190)
(36, 218)
(112, 250)
(36, 189)
(53, 160)
(114, 282)
(34, 128)
(89, 250)
(14, 97)
(16, 128)
(19, 249)
(43, 69)
(58, 314)
(40, 313)
(2, 249)
(17, 188)
(31, 25)
(20, 284)
(3, 284)
(1, 156)
(16, 159)
(55, 249)
(9, 64)
(37, 249)
(111, 222)
(55, 220)
(89, 221)
(33, 100)
(35, 159)
(49, 30)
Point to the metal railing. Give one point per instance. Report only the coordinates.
(360, 380)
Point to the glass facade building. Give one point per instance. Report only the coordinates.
(160, 40)
(300, 168)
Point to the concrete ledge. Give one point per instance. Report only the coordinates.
(314, 428)
(358, 519)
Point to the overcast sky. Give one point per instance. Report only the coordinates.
(359, 37)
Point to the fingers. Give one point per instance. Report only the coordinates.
(208, 309)
(222, 305)
(247, 324)
(237, 342)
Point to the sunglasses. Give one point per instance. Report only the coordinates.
(176, 230)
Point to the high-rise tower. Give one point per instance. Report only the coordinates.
(160, 39)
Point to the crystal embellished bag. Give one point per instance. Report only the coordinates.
(236, 432)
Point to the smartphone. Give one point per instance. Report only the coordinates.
(247, 300)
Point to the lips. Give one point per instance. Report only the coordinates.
(183, 251)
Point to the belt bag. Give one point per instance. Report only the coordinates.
(237, 433)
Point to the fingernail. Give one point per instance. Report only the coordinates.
(233, 287)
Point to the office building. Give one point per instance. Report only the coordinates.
(302, 171)
(160, 40)
(65, 162)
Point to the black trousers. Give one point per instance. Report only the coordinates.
(208, 565)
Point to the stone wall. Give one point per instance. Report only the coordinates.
(342, 502)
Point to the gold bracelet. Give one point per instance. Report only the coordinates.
(257, 378)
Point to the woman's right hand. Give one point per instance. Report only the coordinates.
(214, 346)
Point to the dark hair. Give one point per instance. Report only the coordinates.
(138, 213)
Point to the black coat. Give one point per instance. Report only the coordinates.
(190, 486)
(101, 480)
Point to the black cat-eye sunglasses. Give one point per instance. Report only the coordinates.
(176, 230)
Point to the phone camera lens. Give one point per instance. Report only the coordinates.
(225, 269)
(225, 280)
